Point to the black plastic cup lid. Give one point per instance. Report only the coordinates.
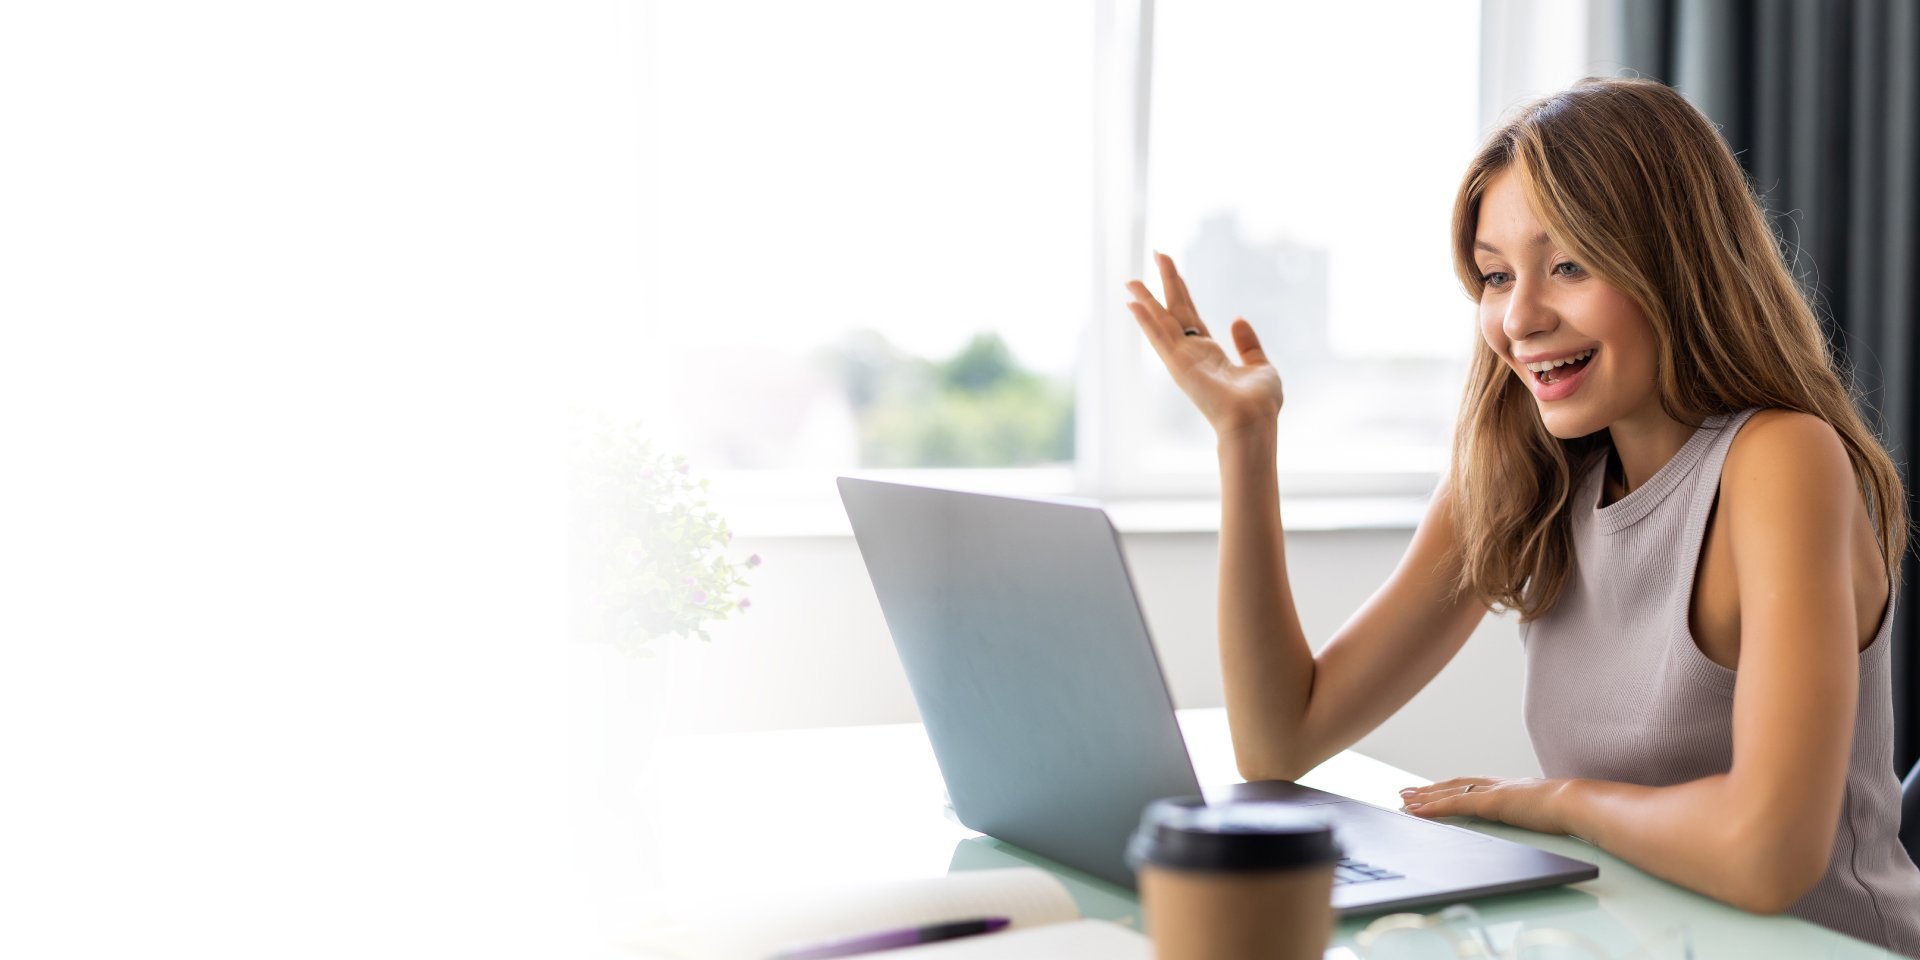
(1184, 833)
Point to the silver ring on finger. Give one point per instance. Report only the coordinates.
(1192, 331)
(1468, 790)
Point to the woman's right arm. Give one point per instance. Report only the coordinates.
(1289, 710)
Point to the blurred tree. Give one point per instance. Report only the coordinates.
(985, 363)
(979, 408)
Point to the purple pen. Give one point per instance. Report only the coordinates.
(891, 939)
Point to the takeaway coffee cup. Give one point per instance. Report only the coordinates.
(1236, 880)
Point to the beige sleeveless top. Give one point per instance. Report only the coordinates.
(1617, 689)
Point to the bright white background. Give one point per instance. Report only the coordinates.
(294, 301)
(288, 295)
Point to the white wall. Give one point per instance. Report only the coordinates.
(814, 650)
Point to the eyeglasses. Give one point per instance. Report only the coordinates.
(1458, 933)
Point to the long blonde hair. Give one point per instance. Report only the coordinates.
(1641, 190)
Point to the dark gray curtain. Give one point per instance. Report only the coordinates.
(1818, 99)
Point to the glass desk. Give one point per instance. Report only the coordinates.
(736, 817)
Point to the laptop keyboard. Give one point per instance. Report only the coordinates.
(1353, 871)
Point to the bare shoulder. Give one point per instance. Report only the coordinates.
(1786, 465)
(1777, 426)
(1791, 446)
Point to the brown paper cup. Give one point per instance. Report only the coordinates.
(1240, 880)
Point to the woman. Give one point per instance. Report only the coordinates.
(1659, 467)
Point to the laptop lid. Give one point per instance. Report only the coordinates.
(1039, 687)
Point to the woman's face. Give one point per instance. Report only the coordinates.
(1540, 306)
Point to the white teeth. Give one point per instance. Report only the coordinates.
(1545, 365)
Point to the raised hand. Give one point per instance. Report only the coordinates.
(1231, 396)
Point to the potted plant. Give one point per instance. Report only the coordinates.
(649, 552)
(648, 565)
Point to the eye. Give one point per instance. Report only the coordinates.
(1568, 268)
(1496, 278)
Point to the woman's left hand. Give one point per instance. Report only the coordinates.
(1527, 802)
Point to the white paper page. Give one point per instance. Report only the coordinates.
(1079, 940)
(1027, 896)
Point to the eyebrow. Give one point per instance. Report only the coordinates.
(1538, 240)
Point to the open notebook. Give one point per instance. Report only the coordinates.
(1045, 920)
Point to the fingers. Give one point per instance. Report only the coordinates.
(1246, 342)
(1437, 808)
(1160, 325)
(1179, 314)
(1156, 336)
(1179, 301)
(1459, 797)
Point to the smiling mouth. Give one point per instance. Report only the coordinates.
(1562, 372)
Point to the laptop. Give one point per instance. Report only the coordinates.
(1044, 701)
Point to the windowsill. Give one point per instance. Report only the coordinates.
(824, 517)
(793, 504)
(1299, 514)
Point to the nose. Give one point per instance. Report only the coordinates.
(1527, 313)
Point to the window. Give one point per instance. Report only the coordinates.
(871, 229)
(893, 236)
(1301, 165)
